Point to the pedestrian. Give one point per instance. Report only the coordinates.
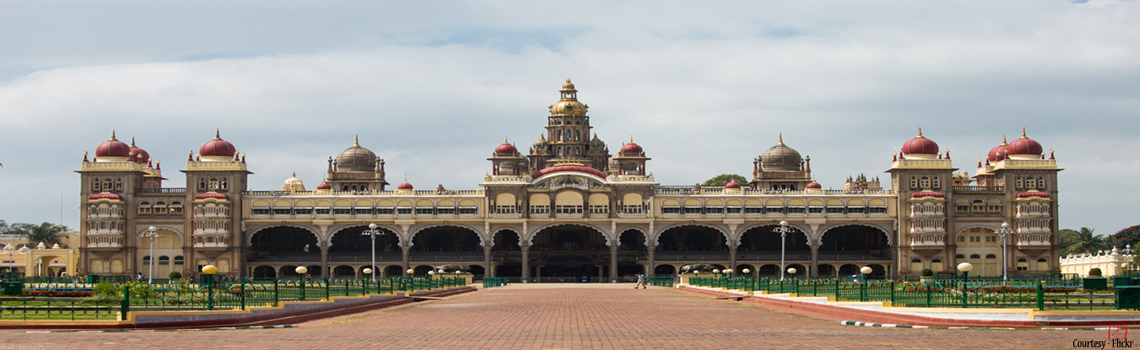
(640, 281)
(139, 277)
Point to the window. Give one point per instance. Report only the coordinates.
(753, 210)
(567, 209)
(856, 210)
(877, 210)
(1041, 182)
(342, 211)
(282, 211)
(510, 209)
(835, 210)
(991, 256)
(385, 211)
(146, 260)
(599, 209)
(819, 210)
(213, 183)
(991, 238)
(468, 210)
(937, 183)
(632, 209)
(176, 207)
(961, 239)
(1019, 182)
(365, 211)
(975, 239)
(225, 184)
(924, 182)
(445, 211)
(163, 260)
(733, 210)
(540, 209)
(978, 205)
(774, 210)
(692, 210)
(202, 184)
(975, 256)
(178, 260)
(1022, 264)
(144, 207)
(424, 211)
(1030, 183)
(118, 184)
(322, 211)
(913, 182)
(714, 210)
(795, 210)
(95, 185)
(670, 210)
(260, 211)
(403, 211)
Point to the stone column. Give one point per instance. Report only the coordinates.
(814, 260)
(526, 263)
(732, 259)
(650, 271)
(600, 272)
(538, 271)
(613, 262)
(488, 271)
(407, 265)
(325, 260)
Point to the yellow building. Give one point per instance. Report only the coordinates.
(39, 260)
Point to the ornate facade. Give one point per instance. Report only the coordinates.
(570, 208)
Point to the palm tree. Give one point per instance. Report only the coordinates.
(1086, 241)
(46, 232)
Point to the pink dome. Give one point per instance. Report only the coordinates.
(141, 156)
(112, 148)
(211, 195)
(506, 148)
(324, 186)
(217, 148)
(405, 186)
(631, 148)
(105, 195)
(927, 194)
(814, 185)
(732, 184)
(561, 168)
(1032, 194)
(1025, 146)
(920, 145)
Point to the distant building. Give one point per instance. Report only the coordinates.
(1110, 263)
(569, 207)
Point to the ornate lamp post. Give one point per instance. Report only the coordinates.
(792, 271)
(372, 232)
(783, 230)
(716, 272)
(1001, 235)
(152, 233)
(301, 271)
(866, 270)
(965, 268)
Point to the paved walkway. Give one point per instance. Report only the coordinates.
(571, 316)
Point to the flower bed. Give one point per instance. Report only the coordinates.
(58, 293)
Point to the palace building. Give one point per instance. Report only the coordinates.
(568, 207)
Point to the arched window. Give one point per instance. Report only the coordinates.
(202, 184)
(144, 207)
(975, 256)
(178, 260)
(937, 182)
(991, 256)
(924, 182)
(913, 182)
(1019, 183)
(107, 185)
(577, 136)
(213, 183)
(146, 260)
(1041, 182)
(163, 260)
(95, 185)
(118, 184)
(225, 184)
(1030, 183)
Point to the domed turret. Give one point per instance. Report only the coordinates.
(324, 186)
(598, 144)
(814, 186)
(405, 186)
(998, 153)
(217, 149)
(781, 157)
(506, 148)
(356, 158)
(631, 148)
(293, 184)
(1025, 148)
(920, 146)
(541, 144)
(112, 149)
(732, 185)
(139, 155)
(569, 104)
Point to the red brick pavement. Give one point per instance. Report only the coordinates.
(565, 317)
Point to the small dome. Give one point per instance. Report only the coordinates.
(569, 107)
(927, 194)
(140, 155)
(597, 143)
(506, 148)
(211, 195)
(920, 145)
(356, 158)
(631, 148)
(105, 195)
(294, 180)
(732, 184)
(405, 186)
(1032, 194)
(814, 186)
(781, 157)
(1025, 146)
(324, 186)
(998, 153)
(112, 148)
(217, 147)
(541, 143)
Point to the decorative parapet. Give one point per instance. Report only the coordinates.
(909, 163)
(1110, 263)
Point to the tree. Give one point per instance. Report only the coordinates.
(1086, 241)
(1128, 236)
(46, 232)
(724, 179)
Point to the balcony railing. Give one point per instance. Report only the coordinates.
(928, 240)
(160, 190)
(979, 189)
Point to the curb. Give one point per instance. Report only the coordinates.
(888, 325)
(164, 330)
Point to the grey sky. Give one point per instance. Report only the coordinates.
(704, 88)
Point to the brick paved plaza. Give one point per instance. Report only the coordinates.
(568, 316)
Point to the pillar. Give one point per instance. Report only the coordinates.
(487, 270)
(526, 263)
(538, 271)
(613, 262)
(601, 274)
(651, 271)
(407, 265)
(814, 260)
(732, 259)
(325, 261)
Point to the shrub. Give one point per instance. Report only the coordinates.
(1094, 272)
(927, 272)
(58, 293)
(175, 275)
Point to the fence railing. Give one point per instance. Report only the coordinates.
(491, 282)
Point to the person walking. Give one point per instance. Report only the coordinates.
(640, 281)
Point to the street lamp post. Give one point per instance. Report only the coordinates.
(12, 261)
(965, 268)
(372, 232)
(209, 271)
(1004, 263)
(152, 233)
(783, 230)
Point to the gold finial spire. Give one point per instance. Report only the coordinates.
(630, 139)
(356, 142)
(294, 174)
(505, 140)
(568, 78)
(1023, 133)
(132, 141)
(218, 134)
(112, 135)
(781, 138)
(1003, 142)
(920, 133)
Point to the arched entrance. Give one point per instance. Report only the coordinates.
(167, 255)
(692, 244)
(508, 252)
(569, 252)
(264, 272)
(665, 270)
(284, 243)
(763, 245)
